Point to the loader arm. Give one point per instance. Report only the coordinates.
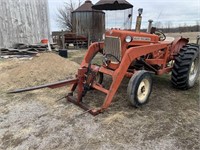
(117, 76)
(92, 51)
(130, 55)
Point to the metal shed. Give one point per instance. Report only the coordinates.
(88, 22)
(23, 21)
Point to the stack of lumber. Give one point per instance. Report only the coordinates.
(23, 50)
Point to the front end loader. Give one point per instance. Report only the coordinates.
(135, 55)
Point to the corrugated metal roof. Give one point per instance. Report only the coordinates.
(112, 5)
(87, 6)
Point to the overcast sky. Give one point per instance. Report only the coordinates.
(177, 12)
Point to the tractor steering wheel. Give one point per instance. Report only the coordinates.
(161, 35)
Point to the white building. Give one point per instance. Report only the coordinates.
(23, 21)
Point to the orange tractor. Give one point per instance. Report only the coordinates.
(137, 56)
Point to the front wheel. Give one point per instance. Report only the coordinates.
(139, 88)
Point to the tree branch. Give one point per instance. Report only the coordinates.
(64, 16)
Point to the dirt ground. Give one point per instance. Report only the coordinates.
(191, 35)
(43, 120)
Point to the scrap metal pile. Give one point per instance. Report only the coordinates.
(24, 50)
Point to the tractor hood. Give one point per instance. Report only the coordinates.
(134, 37)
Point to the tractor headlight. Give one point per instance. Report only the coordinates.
(128, 39)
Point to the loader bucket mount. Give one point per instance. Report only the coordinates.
(78, 82)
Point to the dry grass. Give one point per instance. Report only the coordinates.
(114, 118)
(45, 68)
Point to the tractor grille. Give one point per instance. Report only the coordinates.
(113, 46)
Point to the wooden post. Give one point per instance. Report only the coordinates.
(89, 38)
(63, 40)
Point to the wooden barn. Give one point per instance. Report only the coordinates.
(23, 21)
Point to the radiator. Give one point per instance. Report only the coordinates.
(113, 46)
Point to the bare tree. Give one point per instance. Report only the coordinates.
(64, 15)
(159, 25)
(168, 25)
(197, 26)
(185, 27)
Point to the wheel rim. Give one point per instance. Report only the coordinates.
(193, 71)
(143, 90)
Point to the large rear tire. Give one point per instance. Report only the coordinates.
(139, 88)
(186, 67)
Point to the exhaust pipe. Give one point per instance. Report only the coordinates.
(139, 20)
(149, 26)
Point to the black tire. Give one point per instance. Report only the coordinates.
(186, 67)
(99, 77)
(137, 94)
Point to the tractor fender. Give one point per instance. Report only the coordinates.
(177, 44)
